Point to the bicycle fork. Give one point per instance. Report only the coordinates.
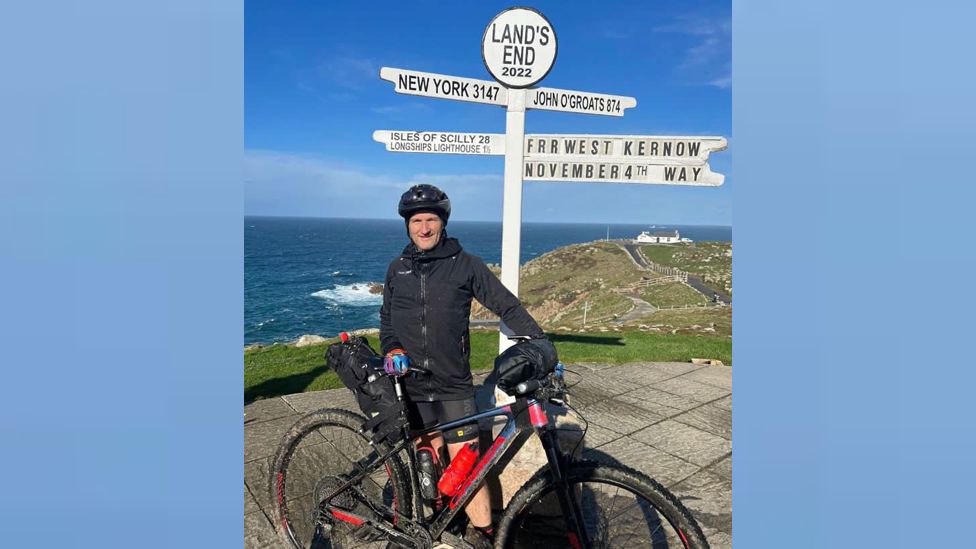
(559, 467)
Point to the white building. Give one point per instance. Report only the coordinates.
(659, 237)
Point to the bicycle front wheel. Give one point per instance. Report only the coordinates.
(319, 453)
(620, 508)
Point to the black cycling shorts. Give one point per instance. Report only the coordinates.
(426, 414)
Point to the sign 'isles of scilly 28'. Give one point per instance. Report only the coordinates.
(519, 49)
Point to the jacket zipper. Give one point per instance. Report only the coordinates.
(423, 324)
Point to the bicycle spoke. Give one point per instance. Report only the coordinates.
(320, 460)
(613, 517)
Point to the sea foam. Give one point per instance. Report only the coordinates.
(354, 295)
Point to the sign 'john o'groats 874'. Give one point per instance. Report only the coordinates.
(519, 47)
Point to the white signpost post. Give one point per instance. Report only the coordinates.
(519, 49)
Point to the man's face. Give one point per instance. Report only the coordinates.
(425, 230)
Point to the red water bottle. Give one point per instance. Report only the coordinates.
(458, 470)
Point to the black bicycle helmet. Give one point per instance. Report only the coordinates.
(425, 198)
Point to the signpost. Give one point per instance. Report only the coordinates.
(519, 49)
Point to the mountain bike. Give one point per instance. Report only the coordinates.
(331, 487)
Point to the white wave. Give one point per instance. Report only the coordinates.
(356, 295)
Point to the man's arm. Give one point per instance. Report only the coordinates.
(388, 339)
(490, 292)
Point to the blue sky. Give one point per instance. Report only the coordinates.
(313, 98)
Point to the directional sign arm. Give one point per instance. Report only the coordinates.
(620, 172)
(442, 86)
(653, 149)
(441, 142)
(552, 99)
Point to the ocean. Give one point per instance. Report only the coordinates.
(311, 275)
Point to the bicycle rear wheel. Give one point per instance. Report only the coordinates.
(620, 508)
(320, 452)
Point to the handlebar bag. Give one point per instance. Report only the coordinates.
(360, 369)
(526, 360)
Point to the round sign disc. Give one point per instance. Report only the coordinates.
(519, 47)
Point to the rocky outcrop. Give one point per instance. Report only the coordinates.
(309, 339)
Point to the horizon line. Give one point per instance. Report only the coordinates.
(598, 223)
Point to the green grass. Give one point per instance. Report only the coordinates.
(708, 260)
(281, 370)
(719, 318)
(556, 286)
(620, 347)
(662, 254)
(671, 294)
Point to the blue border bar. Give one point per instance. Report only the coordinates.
(122, 287)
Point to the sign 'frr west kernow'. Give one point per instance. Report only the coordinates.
(519, 49)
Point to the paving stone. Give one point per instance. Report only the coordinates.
(675, 369)
(724, 403)
(261, 439)
(250, 504)
(718, 539)
(596, 436)
(256, 480)
(708, 417)
(709, 497)
(686, 442)
(584, 395)
(619, 416)
(723, 468)
(639, 374)
(606, 383)
(266, 409)
(258, 532)
(694, 390)
(660, 402)
(654, 463)
(719, 376)
(591, 366)
(332, 398)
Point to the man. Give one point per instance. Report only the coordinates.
(424, 321)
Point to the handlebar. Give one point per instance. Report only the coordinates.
(550, 387)
(527, 387)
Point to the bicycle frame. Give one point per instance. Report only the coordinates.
(524, 417)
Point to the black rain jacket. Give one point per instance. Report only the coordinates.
(426, 305)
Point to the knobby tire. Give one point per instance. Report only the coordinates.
(621, 508)
(321, 449)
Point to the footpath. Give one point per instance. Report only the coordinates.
(693, 281)
(670, 420)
